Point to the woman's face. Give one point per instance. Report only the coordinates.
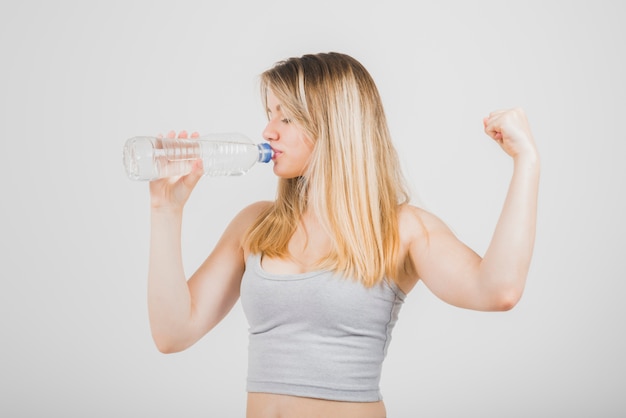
(292, 149)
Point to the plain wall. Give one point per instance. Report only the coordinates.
(78, 78)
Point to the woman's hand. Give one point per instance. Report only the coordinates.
(172, 193)
(510, 129)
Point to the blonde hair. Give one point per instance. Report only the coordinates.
(353, 182)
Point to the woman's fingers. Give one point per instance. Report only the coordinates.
(511, 130)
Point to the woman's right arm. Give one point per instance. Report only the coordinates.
(181, 311)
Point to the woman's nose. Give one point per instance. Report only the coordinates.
(269, 133)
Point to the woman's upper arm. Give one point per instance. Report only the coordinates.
(448, 267)
(214, 287)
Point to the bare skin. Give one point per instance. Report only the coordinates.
(267, 405)
(181, 311)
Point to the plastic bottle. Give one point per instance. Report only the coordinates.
(229, 154)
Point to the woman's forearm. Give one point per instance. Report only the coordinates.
(506, 262)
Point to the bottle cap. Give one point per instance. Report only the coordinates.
(265, 152)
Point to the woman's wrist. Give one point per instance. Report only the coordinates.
(527, 160)
(166, 210)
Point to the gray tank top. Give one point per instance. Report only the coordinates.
(317, 334)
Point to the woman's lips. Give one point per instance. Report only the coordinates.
(276, 153)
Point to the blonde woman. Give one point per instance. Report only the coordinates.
(323, 270)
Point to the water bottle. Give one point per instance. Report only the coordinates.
(229, 154)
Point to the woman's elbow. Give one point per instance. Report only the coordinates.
(168, 345)
(166, 348)
(506, 300)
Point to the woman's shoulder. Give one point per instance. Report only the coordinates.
(415, 223)
(240, 224)
(246, 217)
(411, 216)
(258, 207)
(250, 213)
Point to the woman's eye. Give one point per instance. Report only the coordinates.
(286, 120)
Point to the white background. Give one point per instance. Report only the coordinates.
(78, 78)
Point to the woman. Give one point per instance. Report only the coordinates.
(323, 270)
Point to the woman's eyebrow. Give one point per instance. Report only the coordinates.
(269, 110)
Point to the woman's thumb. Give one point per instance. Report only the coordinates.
(194, 176)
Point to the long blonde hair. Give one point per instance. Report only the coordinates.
(353, 182)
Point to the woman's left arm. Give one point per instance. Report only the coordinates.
(497, 280)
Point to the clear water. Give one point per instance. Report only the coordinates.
(147, 158)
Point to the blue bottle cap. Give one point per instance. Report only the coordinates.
(265, 152)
